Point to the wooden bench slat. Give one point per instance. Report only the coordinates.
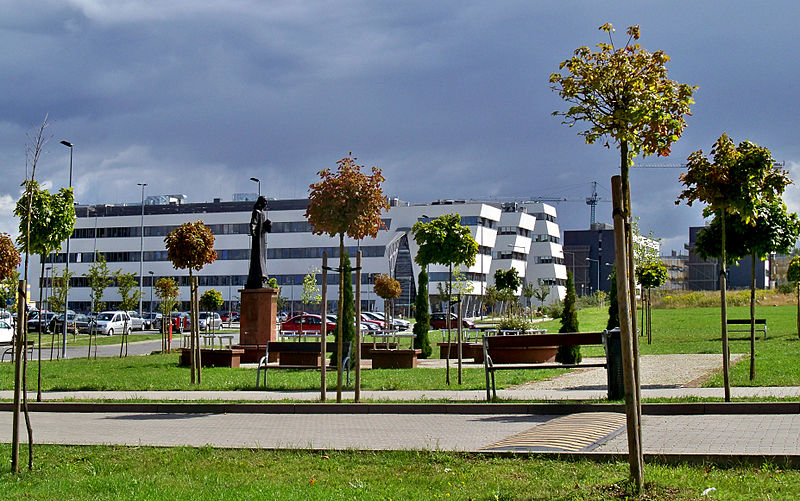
(561, 339)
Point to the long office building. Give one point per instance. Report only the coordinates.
(131, 238)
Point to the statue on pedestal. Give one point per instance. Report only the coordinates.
(259, 226)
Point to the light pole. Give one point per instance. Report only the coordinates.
(141, 250)
(598, 271)
(256, 180)
(66, 273)
(151, 295)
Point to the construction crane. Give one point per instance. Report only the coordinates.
(592, 200)
(683, 166)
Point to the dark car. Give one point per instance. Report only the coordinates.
(33, 323)
(76, 322)
(439, 321)
(306, 322)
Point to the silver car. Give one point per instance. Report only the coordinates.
(110, 323)
(209, 320)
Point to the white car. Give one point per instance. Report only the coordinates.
(6, 332)
(137, 323)
(209, 320)
(110, 323)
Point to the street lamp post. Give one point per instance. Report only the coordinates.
(151, 295)
(598, 271)
(66, 296)
(256, 180)
(141, 251)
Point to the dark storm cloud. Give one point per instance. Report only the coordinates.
(450, 98)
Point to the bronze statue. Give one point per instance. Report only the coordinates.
(259, 226)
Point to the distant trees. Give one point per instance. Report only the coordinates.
(98, 278)
(422, 317)
(166, 291)
(507, 282)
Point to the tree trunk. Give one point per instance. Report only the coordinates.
(627, 338)
(340, 321)
(752, 316)
(449, 308)
(196, 328)
(357, 341)
(193, 360)
(324, 330)
(723, 285)
(798, 308)
(18, 349)
(39, 343)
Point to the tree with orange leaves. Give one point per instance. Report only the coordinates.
(346, 202)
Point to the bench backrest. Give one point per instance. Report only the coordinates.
(559, 339)
(745, 321)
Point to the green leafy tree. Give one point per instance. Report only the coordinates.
(528, 291)
(507, 282)
(98, 277)
(650, 275)
(345, 322)
(793, 275)
(445, 241)
(491, 297)
(422, 317)
(311, 292)
(60, 288)
(737, 181)
(166, 290)
(541, 293)
(9, 277)
(350, 203)
(191, 246)
(569, 323)
(211, 301)
(127, 286)
(772, 230)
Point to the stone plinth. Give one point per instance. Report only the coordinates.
(257, 317)
(394, 359)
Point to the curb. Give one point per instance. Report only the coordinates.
(660, 409)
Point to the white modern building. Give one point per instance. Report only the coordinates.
(132, 237)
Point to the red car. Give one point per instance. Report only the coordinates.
(439, 321)
(180, 321)
(306, 322)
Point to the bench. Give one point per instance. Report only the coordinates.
(9, 350)
(212, 339)
(300, 355)
(613, 364)
(746, 321)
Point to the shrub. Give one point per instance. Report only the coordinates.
(514, 323)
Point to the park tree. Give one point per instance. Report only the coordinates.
(127, 286)
(311, 292)
(422, 317)
(541, 293)
(793, 275)
(9, 260)
(445, 241)
(507, 282)
(737, 182)
(569, 323)
(166, 290)
(772, 230)
(98, 278)
(650, 275)
(388, 289)
(491, 297)
(60, 288)
(211, 301)
(622, 94)
(528, 291)
(346, 320)
(30, 239)
(191, 246)
(347, 202)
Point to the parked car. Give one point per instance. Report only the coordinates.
(137, 323)
(180, 321)
(364, 326)
(209, 321)
(397, 323)
(152, 320)
(307, 322)
(439, 321)
(6, 332)
(46, 317)
(6, 316)
(379, 323)
(232, 316)
(76, 322)
(111, 322)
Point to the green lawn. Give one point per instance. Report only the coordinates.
(80, 472)
(161, 372)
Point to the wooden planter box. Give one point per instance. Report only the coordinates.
(394, 359)
(366, 349)
(521, 355)
(468, 350)
(225, 357)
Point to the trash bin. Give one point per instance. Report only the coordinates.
(616, 379)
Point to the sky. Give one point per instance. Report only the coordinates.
(449, 98)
